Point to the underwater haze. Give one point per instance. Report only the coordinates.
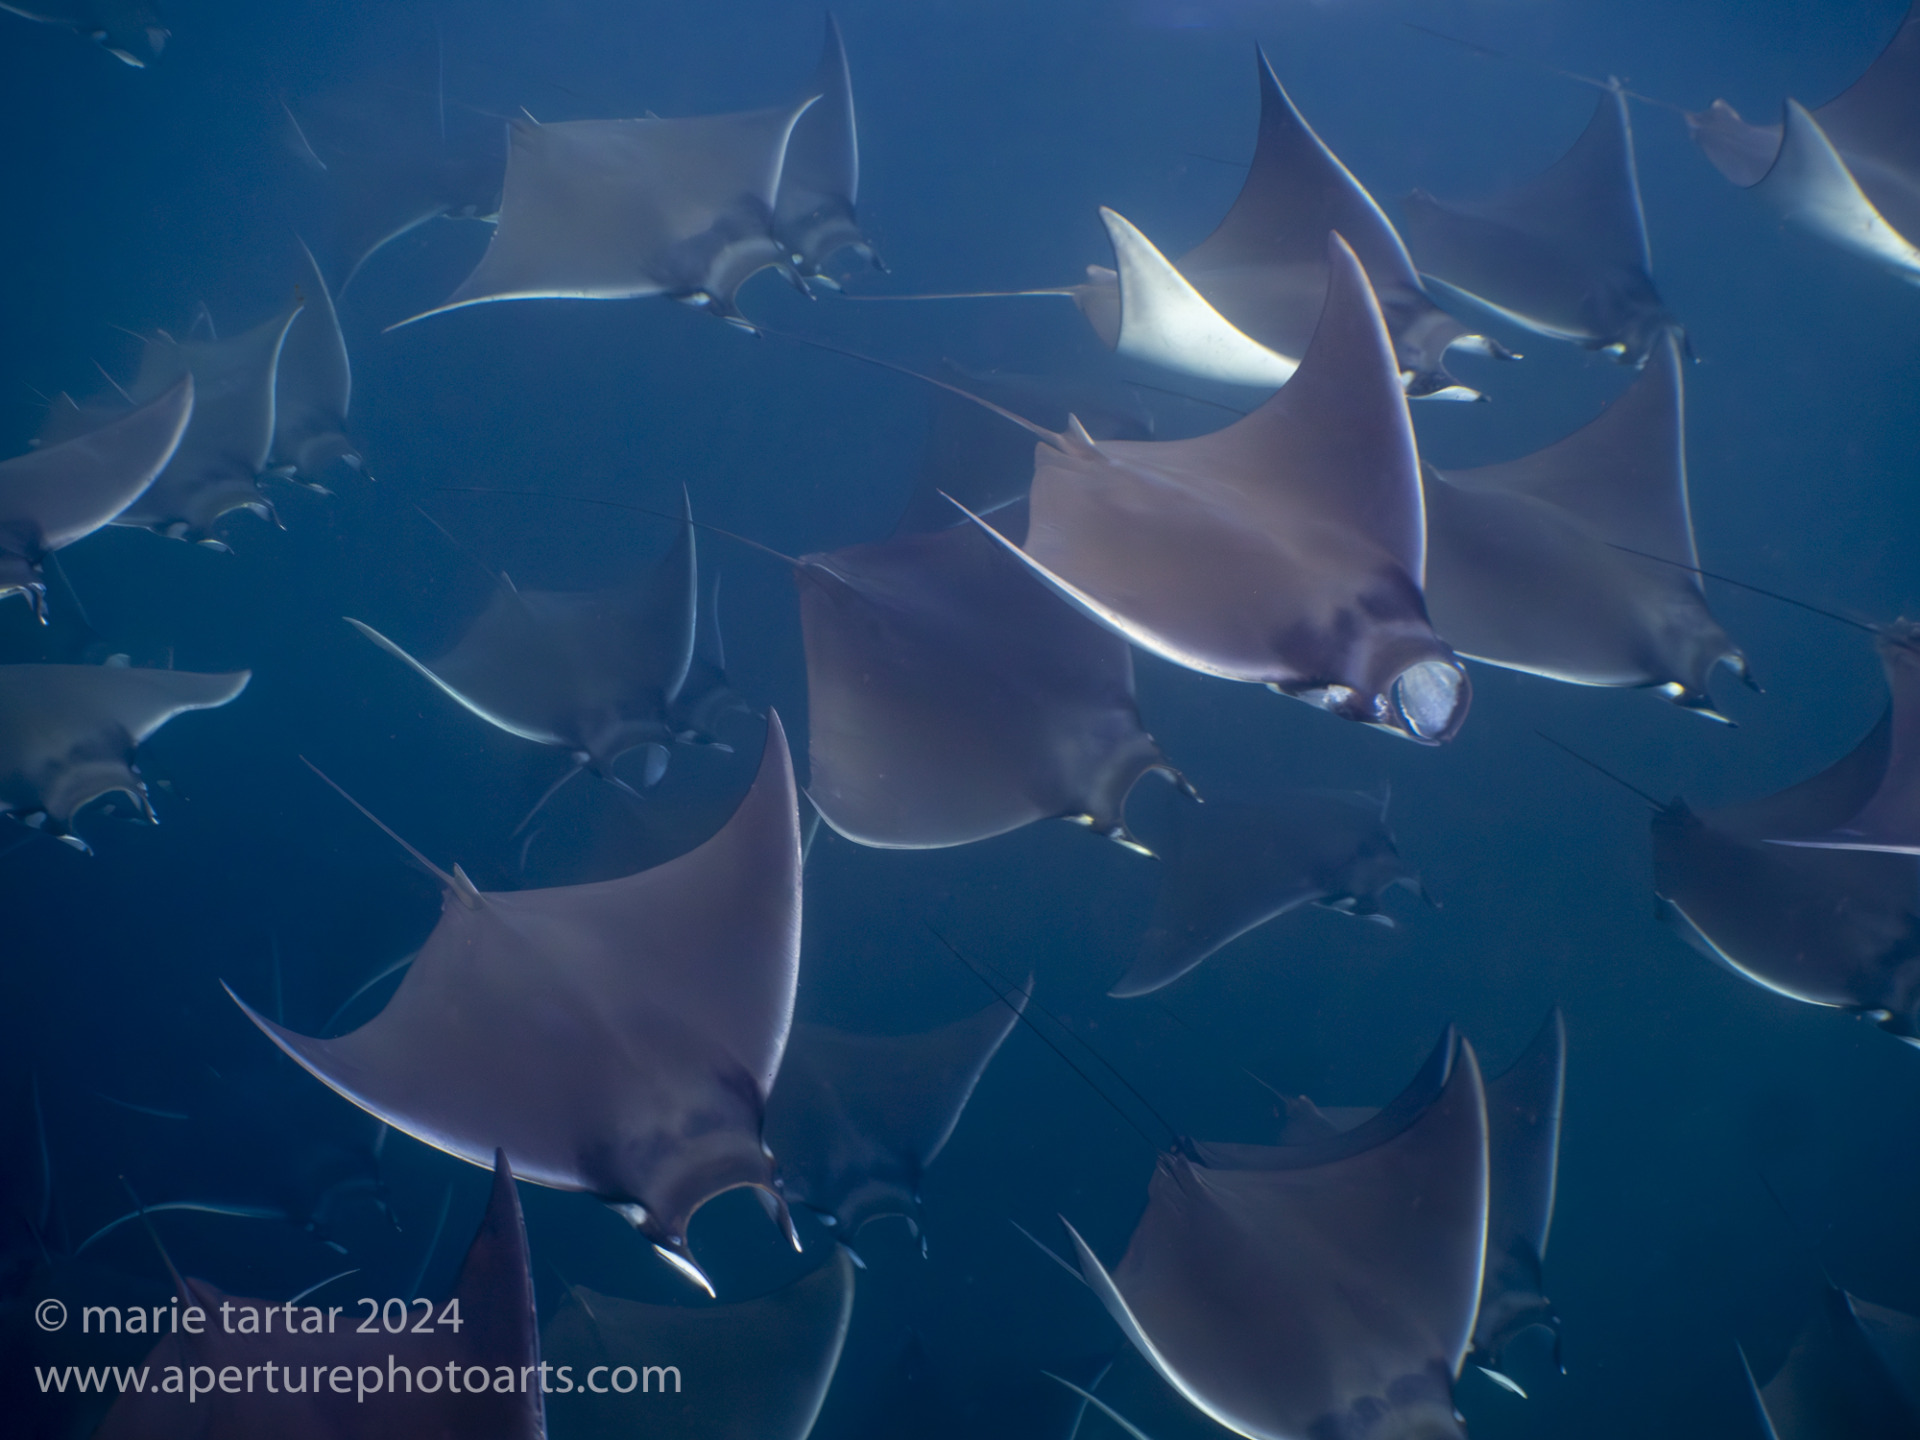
(1728, 1152)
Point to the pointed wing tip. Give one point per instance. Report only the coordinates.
(279, 1034)
(237, 681)
(1339, 252)
(454, 302)
(389, 646)
(1140, 979)
(685, 1266)
(777, 744)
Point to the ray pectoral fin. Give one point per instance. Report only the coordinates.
(1092, 608)
(1153, 972)
(1164, 321)
(1101, 1283)
(294, 1047)
(465, 702)
(1812, 186)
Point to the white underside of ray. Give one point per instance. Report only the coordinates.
(1812, 186)
(1102, 1285)
(1164, 321)
(539, 737)
(1127, 629)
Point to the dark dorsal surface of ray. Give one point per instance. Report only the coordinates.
(1525, 1103)
(1853, 1373)
(595, 673)
(1319, 1289)
(129, 30)
(1564, 254)
(1829, 926)
(315, 387)
(218, 464)
(758, 1368)
(68, 734)
(1264, 267)
(497, 1333)
(62, 493)
(617, 209)
(857, 1119)
(622, 1037)
(1231, 866)
(814, 210)
(952, 696)
(1287, 549)
(1848, 171)
(1544, 564)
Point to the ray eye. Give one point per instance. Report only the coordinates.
(1425, 697)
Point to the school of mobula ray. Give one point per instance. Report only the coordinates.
(972, 673)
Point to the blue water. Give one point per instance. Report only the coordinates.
(990, 133)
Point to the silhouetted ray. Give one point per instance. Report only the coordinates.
(1829, 927)
(1564, 254)
(1241, 307)
(952, 697)
(389, 154)
(813, 212)
(1849, 171)
(1530, 563)
(497, 1334)
(1287, 549)
(220, 459)
(222, 456)
(621, 1036)
(592, 672)
(1231, 867)
(615, 209)
(68, 734)
(53, 496)
(857, 1119)
(706, 696)
(1326, 1289)
(1853, 1374)
(128, 30)
(1524, 1104)
(315, 387)
(754, 1368)
(311, 1162)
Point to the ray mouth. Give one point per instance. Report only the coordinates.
(1429, 700)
